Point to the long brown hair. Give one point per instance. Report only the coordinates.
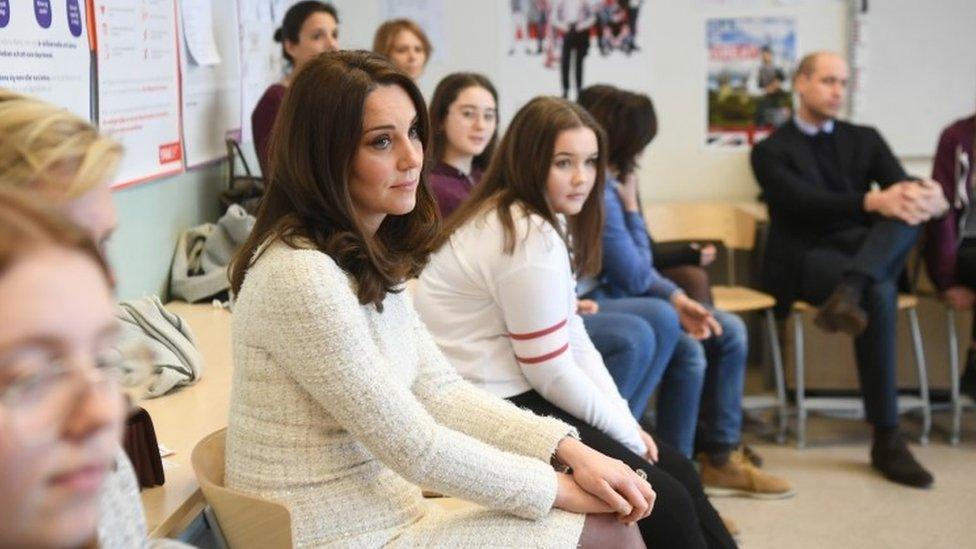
(518, 172)
(629, 120)
(313, 144)
(445, 94)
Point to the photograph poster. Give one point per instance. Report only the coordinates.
(749, 69)
(557, 47)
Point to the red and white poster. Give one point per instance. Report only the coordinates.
(139, 86)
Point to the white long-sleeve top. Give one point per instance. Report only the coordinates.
(508, 322)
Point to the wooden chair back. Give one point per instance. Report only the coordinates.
(731, 223)
(246, 521)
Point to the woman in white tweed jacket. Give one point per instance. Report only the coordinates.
(342, 406)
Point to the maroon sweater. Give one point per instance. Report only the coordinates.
(451, 186)
(262, 120)
(942, 235)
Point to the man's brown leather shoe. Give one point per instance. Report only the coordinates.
(842, 313)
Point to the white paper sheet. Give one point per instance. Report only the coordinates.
(198, 30)
(261, 60)
(44, 52)
(138, 85)
(211, 94)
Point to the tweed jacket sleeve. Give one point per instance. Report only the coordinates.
(459, 405)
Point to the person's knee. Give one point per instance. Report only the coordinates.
(881, 296)
(604, 530)
(689, 357)
(734, 334)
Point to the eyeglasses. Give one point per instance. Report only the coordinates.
(52, 387)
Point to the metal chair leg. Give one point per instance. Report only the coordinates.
(954, 376)
(801, 411)
(778, 373)
(922, 373)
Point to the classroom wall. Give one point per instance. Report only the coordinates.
(676, 167)
(151, 217)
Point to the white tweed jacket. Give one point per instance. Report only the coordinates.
(342, 413)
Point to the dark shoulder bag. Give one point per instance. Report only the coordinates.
(244, 189)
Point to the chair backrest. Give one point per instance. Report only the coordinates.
(731, 223)
(246, 521)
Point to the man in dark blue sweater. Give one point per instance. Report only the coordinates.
(840, 244)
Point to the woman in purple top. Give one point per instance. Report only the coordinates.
(950, 249)
(308, 29)
(464, 117)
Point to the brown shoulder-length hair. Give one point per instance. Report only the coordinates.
(445, 94)
(629, 120)
(387, 32)
(28, 224)
(314, 141)
(519, 171)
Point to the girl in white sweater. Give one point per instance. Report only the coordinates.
(342, 406)
(499, 298)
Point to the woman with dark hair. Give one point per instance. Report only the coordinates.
(499, 298)
(342, 406)
(464, 119)
(405, 44)
(309, 28)
(629, 283)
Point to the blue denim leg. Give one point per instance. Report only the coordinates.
(662, 319)
(721, 402)
(680, 394)
(627, 345)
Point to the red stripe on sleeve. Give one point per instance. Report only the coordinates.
(540, 333)
(543, 358)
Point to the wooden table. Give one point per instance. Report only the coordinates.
(183, 418)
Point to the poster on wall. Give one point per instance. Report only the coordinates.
(138, 86)
(211, 79)
(261, 62)
(748, 73)
(45, 52)
(557, 47)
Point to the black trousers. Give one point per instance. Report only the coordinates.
(682, 515)
(966, 269)
(877, 251)
(578, 42)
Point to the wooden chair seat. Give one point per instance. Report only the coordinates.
(739, 299)
(804, 404)
(905, 302)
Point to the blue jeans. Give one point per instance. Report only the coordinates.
(721, 404)
(627, 345)
(708, 374)
(681, 372)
